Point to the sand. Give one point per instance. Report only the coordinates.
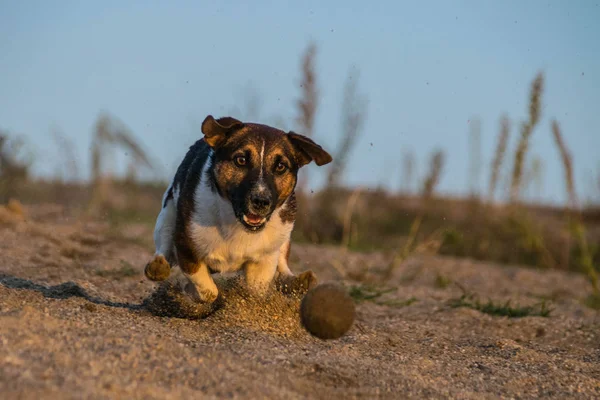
(77, 321)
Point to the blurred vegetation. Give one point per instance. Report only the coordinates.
(363, 293)
(505, 309)
(361, 219)
(502, 309)
(14, 166)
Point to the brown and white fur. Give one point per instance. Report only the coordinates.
(231, 206)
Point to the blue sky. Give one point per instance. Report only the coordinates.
(427, 68)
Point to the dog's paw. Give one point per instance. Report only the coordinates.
(158, 269)
(307, 280)
(299, 284)
(200, 295)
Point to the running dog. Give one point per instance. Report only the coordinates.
(231, 206)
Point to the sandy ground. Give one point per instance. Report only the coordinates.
(72, 325)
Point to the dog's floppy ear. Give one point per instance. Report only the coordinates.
(307, 150)
(216, 130)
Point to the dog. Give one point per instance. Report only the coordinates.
(231, 206)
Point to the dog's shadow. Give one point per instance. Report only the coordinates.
(62, 291)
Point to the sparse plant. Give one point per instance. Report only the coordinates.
(398, 303)
(567, 162)
(442, 282)
(527, 128)
(503, 309)
(363, 293)
(436, 166)
(593, 301)
(471, 300)
(350, 206)
(433, 241)
(14, 165)
(407, 249)
(353, 118)
(109, 134)
(534, 175)
(529, 238)
(574, 213)
(474, 156)
(308, 101)
(499, 155)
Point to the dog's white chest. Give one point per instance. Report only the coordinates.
(226, 249)
(222, 242)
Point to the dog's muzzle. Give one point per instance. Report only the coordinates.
(259, 209)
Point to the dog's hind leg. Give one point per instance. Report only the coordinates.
(159, 268)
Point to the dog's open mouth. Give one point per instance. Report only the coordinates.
(254, 222)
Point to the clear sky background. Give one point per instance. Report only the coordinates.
(427, 68)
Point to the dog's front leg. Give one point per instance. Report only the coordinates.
(287, 282)
(201, 283)
(259, 275)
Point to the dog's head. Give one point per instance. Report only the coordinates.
(255, 166)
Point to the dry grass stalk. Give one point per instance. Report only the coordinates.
(109, 134)
(567, 162)
(532, 177)
(475, 156)
(531, 238)
(353, 118)
(347, 226)
(587, 262)
(308, 101)
(526, 131)
(573, 211)
(407, 249)
(569, 184)
(536, 174)
(10, 163)
(14, 168)
(499, 155)
(433, 176)
(432, 243)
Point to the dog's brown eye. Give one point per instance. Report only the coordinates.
(240, 161)
(281, 168)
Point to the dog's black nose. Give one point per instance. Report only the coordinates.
(260, 202)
